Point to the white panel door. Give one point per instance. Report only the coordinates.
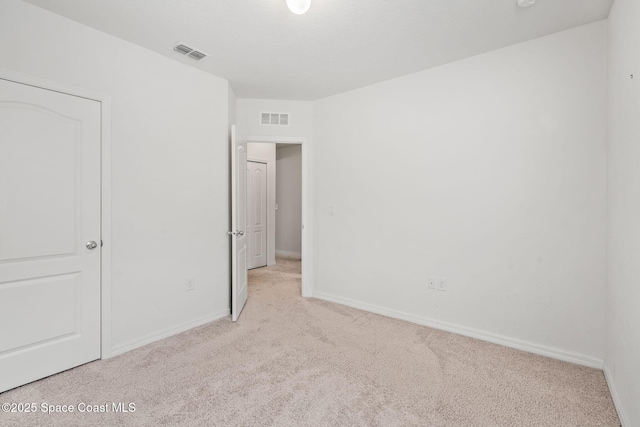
(257, 211)
(49, 210)
(239, 277)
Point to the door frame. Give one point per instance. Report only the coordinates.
(266, 165)
(105, 189)
(307, 256)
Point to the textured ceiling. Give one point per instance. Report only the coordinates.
(267, 52)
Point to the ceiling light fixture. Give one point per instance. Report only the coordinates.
(299, 6)
(526, 3)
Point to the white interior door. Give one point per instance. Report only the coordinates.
(257, 212)
(239, 289)
(49, 210)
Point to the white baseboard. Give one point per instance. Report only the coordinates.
(530, 347)
(164, 333)
(286, 253)
(624, 421)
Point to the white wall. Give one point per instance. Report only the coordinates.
(169, 168)
(623, 319)
(289, 200)
(267, 154)
(490, 172)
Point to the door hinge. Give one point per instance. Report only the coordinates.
(101, 243)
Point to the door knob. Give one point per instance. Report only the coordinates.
(92, 245)
(240, 233)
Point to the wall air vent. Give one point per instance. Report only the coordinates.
(189, 51)
(274, 119)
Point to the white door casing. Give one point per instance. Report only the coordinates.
(239, 277)
(257, 214)
(50, 201)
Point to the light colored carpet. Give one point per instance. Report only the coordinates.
(291, 361)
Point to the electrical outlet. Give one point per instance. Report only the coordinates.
(432, 282)
(191, 284)
(332, 210)
(442, 284)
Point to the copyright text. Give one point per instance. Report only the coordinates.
(82, 407)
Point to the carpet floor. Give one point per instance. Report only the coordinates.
(291, 361)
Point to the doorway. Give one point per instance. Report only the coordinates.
(305, 225)
(238, 199)
(274, 203)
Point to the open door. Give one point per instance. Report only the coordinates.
(239, 290)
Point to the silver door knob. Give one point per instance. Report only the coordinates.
(240, 233)
(92, 245)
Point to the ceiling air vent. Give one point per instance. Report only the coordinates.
(189, 51)
(197, 55)
(274, 119)
(180, 48)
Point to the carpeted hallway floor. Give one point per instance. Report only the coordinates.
(291, 361)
